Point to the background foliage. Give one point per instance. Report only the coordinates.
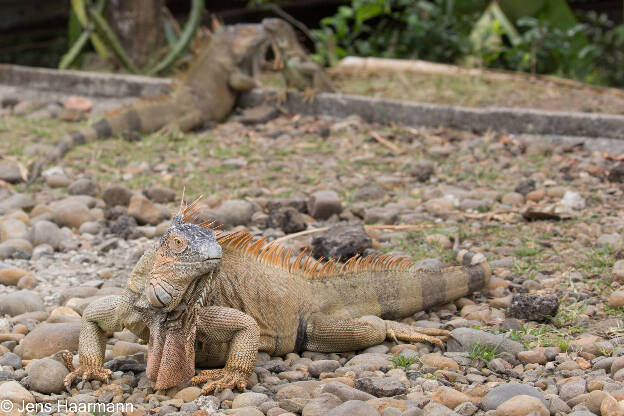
(587, 47)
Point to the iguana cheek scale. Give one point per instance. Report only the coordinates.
(257, 300)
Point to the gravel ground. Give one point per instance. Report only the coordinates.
(544, 338)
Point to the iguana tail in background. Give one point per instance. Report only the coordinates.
(394, 288)
(144, 117)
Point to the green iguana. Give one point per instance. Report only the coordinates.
(298, 70)
(213, 298)
(207, 92)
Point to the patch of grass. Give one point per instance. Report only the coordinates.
(567, 315)
(483, 351)
(563, 344)
(617, 312)
(597, 261)
(403, 361)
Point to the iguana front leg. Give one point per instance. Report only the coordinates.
(218, 324)
(100, 317)
(332, 334)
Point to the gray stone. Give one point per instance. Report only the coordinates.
(249, 399)
(19, 302)
(47, 339)
(90, 227)
(413, 411)
(10, 172)
(117, 195)
(83, 186)
(12, 228)
(322, 366)
(500, 394)
(345, 393)
(381, 215)
(324, 204)
(464, 340)
(12, 360)
(235, 212)
(572, 389)
(321, 405)
(466, 409)
(573, 200)
(161, 194)
(371, 361)
(613, 239)
(70, 212)
(342, 242)
(47, 232)
(16, 201)
(381, 386)
(531, 307)
(46, 375)
(437, 409)
(353, 407)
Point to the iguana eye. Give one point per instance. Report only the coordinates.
(177, 244)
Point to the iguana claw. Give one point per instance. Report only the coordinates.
(223, 379)
(397, 331)
(171, 131)
(87, 373)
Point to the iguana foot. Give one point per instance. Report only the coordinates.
(402, 332)
(171, 131)
(279, 98)
(87, 373)
(309, 95)
(223, 379)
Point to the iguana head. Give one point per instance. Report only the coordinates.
(186, 258)
(248, 45)
(283, 39)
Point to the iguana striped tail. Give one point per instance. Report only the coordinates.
(393, 289)
(143, 117)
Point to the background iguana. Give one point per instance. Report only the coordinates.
(207, 92)
(219, 300)
(298, 70)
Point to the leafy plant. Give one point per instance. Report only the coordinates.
(403, 361)
(428, 30)
(483, 351)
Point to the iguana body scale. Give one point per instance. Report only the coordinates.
(256, 300)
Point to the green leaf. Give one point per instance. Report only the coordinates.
(368, 11)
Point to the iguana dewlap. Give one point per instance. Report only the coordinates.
(219, 304)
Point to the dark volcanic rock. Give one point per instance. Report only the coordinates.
(124, 226)
(381, 386)
(533, 307)
(525, 187)
(422, 170)
(616, 174)
(300, 204)
(288, 219)
(341, 242)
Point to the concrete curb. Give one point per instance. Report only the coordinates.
(510, 120)
(91, 84)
